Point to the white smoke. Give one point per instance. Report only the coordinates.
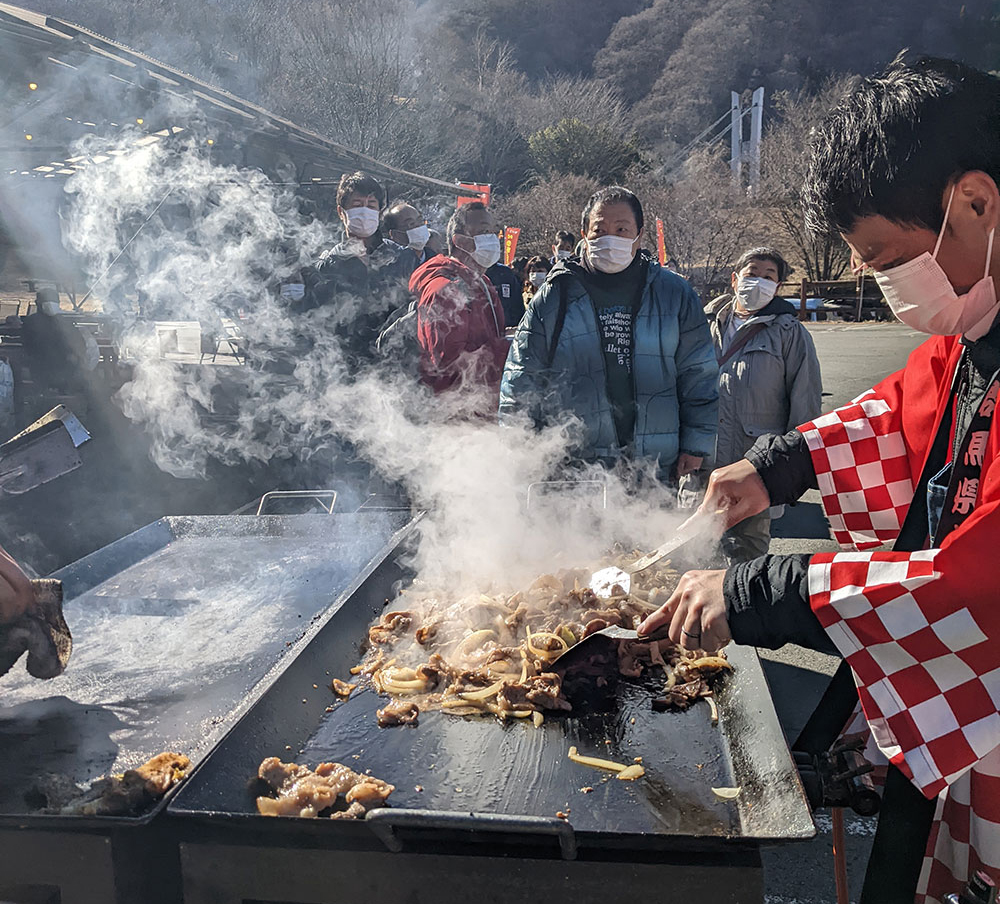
(205, 239)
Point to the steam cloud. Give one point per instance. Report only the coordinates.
(214, 238)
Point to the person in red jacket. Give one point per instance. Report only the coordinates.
(460, 324)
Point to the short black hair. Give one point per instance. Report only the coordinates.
(458, 221)
(763, 253)
(895, 141)
(564, 235)
(362, 184)
(391, 216)
(613, 194)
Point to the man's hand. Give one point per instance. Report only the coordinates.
(688, 463)
(16, 595)
(737, 492)
(696, 613)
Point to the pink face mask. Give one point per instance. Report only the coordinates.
(921, 295)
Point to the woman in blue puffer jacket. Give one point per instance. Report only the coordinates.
(622, 345)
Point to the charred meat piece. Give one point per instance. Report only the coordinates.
(681, 696)
(545, 691)
(398, 714)
(304, 792)
(128, 794)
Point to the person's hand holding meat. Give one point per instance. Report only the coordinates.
(696, 612)
(737, 491)
(16, 595)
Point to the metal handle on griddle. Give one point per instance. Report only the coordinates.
(542, 488)
(385, 822)
(300, 494)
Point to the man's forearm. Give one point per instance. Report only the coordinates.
(785, 466)
(768, 603)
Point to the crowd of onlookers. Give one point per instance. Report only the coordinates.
(597, 333)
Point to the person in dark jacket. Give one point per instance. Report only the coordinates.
(460, 324)
(407, 227)
(622, 345)
(907, 169)
(508, 286)
(364, 276)
(769, 379)
(56, 349)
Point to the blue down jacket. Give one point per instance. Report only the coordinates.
(674, 366)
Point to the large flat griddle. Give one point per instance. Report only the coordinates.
(473, 770)
(177, 629)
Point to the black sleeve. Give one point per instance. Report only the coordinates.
(768, 600)
(785, 466)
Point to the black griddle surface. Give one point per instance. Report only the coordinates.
(476, 764)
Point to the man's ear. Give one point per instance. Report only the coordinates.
(976, 195)
(467, 244)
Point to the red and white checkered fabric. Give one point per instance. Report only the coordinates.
(862, 469)
(921, 630)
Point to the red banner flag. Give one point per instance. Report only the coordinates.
(481, 193)
(510, 236)
(661, 243)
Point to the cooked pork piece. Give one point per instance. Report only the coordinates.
(492, 651)
(304, 792)
(681, 696)
(398, 714)
(128, 794)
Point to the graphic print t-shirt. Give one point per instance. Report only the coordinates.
(614, 295)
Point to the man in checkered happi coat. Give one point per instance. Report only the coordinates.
(914, 462)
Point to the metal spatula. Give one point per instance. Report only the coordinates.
(592, 643)
(700, 524)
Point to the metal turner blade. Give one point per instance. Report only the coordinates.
(700, 524)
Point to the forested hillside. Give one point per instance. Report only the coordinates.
(546, 98)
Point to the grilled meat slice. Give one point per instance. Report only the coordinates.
(304, 792)
(398, 714)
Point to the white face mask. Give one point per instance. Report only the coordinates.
(487, 251)
(755, 292)
(611, 253)
(562, 255)
(537, 278)
(50, 307)
(417, 238)
(361, 221)
(921, 295)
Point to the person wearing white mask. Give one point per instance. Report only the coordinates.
(459, 317)
(769, 376)
(619, 344)
(906, 167)
(407, 227)
(363, 278)
(563, 247)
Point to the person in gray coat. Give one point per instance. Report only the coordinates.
(769, 378)
(620, 345)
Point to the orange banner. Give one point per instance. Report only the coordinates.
(482, 193)
(510, 236)
(661, 243)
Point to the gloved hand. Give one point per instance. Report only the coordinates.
(40, 630)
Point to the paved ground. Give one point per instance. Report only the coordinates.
(853, 358)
